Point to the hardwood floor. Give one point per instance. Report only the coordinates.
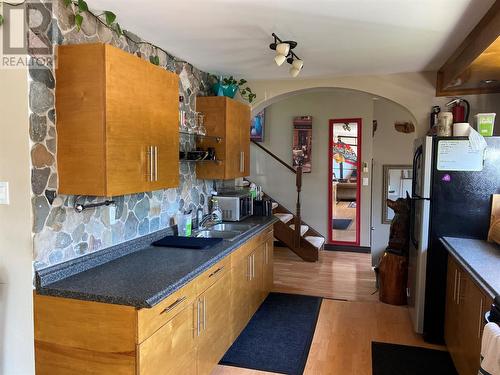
(339, 275)
(345, 329)
(343, 211)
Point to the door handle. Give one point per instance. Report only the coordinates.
(174, 305)
(150, 153)
(216, 272)
(156, 162)
(204, 313)
(480, 319)
(455, 287)
(459, 282)
(198, 317)
(253, 266)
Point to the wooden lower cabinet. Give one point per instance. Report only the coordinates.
(186, 333)
(213, 339)
(171, 350)
(466, 304)
(268, 273)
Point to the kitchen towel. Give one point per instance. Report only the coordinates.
(490, 350)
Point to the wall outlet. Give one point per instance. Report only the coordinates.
(365, 181)
(4, 192)
(112, 214)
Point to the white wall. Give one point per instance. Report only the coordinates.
(389, 147)
(16, 251)
(279, 183)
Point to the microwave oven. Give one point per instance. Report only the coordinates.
(235, 205)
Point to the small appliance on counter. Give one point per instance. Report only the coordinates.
(263, 207)
(236, 205)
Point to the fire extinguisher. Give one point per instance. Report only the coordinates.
(460, 112)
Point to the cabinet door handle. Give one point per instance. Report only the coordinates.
(174, 305)
(455, 287)
(459, 282)
(156, 162)
(216, 271)
(204, 313)
(480, 320)
(150, 153)
(253, 266)
(198, 317)
(249, 268)
(242, 161)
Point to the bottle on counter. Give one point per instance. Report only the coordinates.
(445, 124)
(434, 116)
(216, 211)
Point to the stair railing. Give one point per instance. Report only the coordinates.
(298, 186)
(298, 220)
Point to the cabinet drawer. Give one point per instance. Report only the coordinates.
(248, 247)
(210, 276)
(150, 320)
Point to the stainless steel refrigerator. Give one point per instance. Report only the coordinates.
(451, 196)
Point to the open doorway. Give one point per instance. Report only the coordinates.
(344, 181)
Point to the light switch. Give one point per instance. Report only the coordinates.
(365, 181)
(4, 192)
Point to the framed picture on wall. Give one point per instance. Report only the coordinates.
(257, 127)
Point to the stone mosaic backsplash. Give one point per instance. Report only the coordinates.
(60, 233)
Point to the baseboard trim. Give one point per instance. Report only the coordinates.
(349, 249)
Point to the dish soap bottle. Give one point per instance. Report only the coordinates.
(216, 211)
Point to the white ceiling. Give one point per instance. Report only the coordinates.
(335, 37)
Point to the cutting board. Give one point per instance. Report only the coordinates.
(494, 232)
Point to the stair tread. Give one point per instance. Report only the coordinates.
(303, 229)
(274, 205)
(316, 241)
(285, 218)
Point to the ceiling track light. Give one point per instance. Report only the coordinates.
(284, 53)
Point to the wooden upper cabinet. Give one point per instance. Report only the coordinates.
(229, 119)
(117, 122)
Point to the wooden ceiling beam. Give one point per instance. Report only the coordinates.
(479, 39)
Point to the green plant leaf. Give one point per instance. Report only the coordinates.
(242, 82)
(82, 6)
(118, 29)
(110, 17)
(243, 92)
(154, 60)
(67, 2)
(1, 20)
(78, 21)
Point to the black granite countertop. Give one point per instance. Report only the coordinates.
(480, 258)
(144, 277)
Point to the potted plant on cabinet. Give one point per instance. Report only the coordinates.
(229, 86)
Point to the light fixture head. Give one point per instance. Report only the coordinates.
(294, 72)
(282, 49)
(298, 64)
(279, 59)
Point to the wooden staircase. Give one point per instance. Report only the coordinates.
(297, 235)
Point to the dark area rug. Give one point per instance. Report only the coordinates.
(392, 359)
(278, 337)
(341, 224)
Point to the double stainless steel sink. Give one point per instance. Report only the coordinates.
(227, 231)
